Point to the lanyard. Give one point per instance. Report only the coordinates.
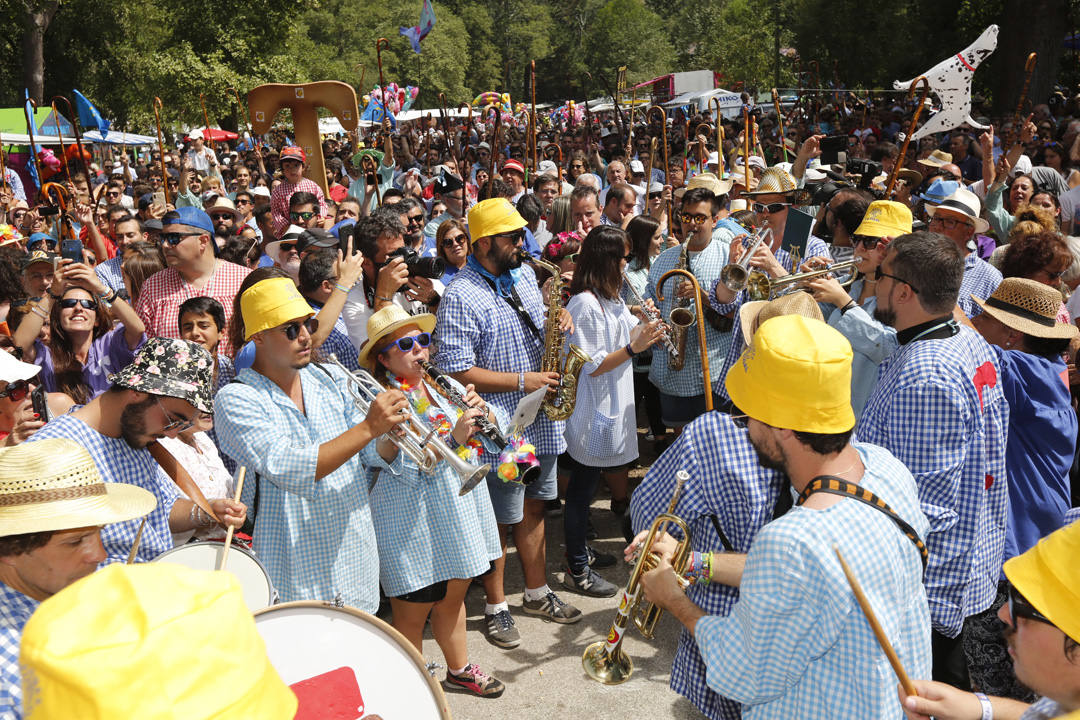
(929, 330)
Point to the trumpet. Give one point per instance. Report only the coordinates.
(419, 442)
(735, 275)
(762, 287)
(605, 660)
(653, 314)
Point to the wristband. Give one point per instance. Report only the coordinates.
(851, 305)
(342, 288)
(384, 298)
(112, 298)
(987, 708)
(630, 351)
(39, 311)
(521, 382)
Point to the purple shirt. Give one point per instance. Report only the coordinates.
(108, 354)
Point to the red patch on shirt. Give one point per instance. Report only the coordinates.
(986, 375)
(989, 480)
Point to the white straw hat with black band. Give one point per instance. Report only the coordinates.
(964, 202)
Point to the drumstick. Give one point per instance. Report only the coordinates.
(229, 533)
(879, 633)
(135, 545)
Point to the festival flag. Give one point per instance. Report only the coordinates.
(419, 32)
(89, 115)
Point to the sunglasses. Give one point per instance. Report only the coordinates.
(415, 219)
(949, 223)
(287, 247)
(771, 208)
(173, 425)
(655, 196)
(456, 240)
(292, 330)
(175, 238)
(514, 237)
(879, 273)
(16, 390)
(307, 215)
(405, 344)
(1020, 607)
(867, 241)
(243, 202)
(694, 219)
(68, 303)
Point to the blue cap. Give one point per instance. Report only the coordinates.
(939, 190)
(187, 215)
(38, 237)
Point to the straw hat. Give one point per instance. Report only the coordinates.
(936, 159)
(385, 322)
(752, 314)
(222, 203)
(774, 180)
(709, 181)
(1028, 306)
(54, 484)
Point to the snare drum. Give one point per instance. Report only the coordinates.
(344, 664)
(259, 592)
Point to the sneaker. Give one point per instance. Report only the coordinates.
(599, 559)
(589, 583)
(550, 607)
(649, 437)
(474, 680)
(501, 630)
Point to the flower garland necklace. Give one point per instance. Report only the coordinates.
(436, 417)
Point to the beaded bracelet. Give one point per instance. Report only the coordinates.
(39, 311)
(342, 288)
(699, 568)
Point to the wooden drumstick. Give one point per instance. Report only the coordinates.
(135, 545)
(240, 472)
(879, 633)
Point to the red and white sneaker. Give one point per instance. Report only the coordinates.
(476, 681)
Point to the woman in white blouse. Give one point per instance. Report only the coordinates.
(601, 435)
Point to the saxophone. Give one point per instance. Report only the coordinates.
(559, 403)
(681, 317)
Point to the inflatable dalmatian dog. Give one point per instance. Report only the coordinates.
(950, 81)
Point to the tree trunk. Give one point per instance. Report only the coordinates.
(1043, 23)
(39, 13)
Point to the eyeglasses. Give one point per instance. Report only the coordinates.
(455, 240)
(112, 193)
(1020, 607)
(694, 219)
(655, 196)
(175, 238)
(879, 273)
(306, 215)
(173, 425)
(514, 237)
(68, 303)
(221, 216)
(771, 208)
(16, 390)
(741, 421)
(867, 241)
(243, 202)
(949, 223)
(405, 344)
(415, 219)
(292, 330)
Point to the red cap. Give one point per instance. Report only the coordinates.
(513, 165)
(292, 152)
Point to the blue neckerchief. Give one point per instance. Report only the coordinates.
(503, 283)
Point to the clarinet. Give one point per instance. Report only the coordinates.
(487, 429)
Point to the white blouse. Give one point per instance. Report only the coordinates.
(204, 465)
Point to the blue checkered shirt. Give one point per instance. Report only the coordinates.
(796, 644)
(109, 272)
(951, 433)
(705, 266)
(119, 462)
(478, 328)
(727, 481)
(15, 610)
(337, 342)
(980, 279)
(315, 537)
(815, 247)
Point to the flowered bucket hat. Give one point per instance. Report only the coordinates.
(171, 368)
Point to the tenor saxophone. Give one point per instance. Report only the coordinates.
(681, 317)
(559, 403)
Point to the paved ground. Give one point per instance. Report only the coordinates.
(543, 675)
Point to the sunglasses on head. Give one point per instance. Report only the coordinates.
(68, 303)
(306, 215)
(405, 344)
(771, 208)
(175, 238)
(292, 330)
(16, 390)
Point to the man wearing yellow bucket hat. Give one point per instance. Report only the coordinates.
(1043, 631)
(53, 503)
(294, 423)
(796, 644)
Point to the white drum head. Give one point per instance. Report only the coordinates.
(255, 582)
(344, 664)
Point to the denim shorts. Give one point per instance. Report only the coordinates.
(508, 498)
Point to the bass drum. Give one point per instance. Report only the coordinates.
(259, 592)
(344, 664)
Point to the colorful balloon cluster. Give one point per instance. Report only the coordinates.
(515, 459)
(563, 113)
(9, 234)
(391, 99)
(506, 109)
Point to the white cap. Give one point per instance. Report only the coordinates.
(757, 161)
(195, 135)
(1022, 166)
(261, 190)
(636, 166)
(13, 369)
(548, 167)
(655, 187)
(714, 159)
(604, 132)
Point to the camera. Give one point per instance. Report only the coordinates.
(866, 169)
(425, 267)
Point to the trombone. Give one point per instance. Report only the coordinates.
(419, 442)
(735, 275)
(762, 287)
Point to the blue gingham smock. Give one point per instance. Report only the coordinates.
(980, 279)
(927, 411)
(119, 462)
(796, 644)
(315, 537)
(478, 328)
(726, 480)
(705, 266)
(425, 531)
(871, 342)
(15, 611)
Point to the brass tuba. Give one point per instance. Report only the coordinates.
(559, 403)
(681, 318)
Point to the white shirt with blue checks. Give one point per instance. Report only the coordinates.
(980, 279)
(15, 610)
(109, 272)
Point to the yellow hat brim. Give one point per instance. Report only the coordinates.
(271, 303)
(1045, 583)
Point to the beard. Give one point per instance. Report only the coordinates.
(133, 424)
(885, 316)
(292, 268)
(767, 461)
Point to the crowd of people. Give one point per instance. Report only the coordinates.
(361, 341)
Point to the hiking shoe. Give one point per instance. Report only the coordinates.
(550, 607)
(599, 559)
(475, 680)
(589, 583)
(501, 630)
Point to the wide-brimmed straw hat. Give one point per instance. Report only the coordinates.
(752, 314)
(1028, 306)
(385, 322)
(54, 484)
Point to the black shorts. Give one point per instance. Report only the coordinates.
(430, 594)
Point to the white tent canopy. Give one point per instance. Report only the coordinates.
(119, 138)
(730, 103)
(23, 139)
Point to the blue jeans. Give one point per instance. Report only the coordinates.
(579, 494)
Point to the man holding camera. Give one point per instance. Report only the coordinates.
(393, 274)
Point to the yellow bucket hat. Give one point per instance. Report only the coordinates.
(155, 640)
(885, 218)
(271, 302)
(492, 217)
(796, 374)
(385, 322)
(1048, 575)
